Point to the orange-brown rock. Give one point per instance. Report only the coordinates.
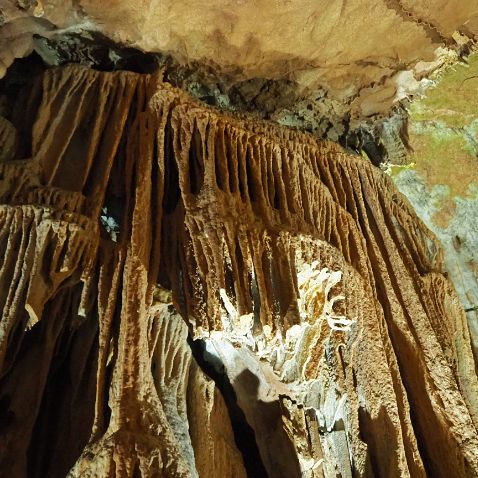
(337, 344)
(366, 55)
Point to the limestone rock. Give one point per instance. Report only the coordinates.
(295, 60)
(337, 342)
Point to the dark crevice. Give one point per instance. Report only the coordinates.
(20, 96)
(219, 148)
(172, 192)
(97, 51)
(241, 171)
(256, 303)
(196, 167)
(244, 435)
(430, 29)
(251, 187)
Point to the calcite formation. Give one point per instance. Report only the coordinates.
(190, 293)
(321, 65)
(440, 176)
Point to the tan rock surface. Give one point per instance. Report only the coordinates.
(366, 54)
(319, 295)
(341, 43)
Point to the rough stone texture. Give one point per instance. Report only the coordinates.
(335, 338)
(440, 176)
(328, 67)
(212, 436)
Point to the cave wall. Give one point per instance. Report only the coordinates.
(187, 292)
(440, 177)
(336, 69)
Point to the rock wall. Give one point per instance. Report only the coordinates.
(334, 69)
(440, 177)
(190, 293)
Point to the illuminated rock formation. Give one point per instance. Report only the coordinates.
(327, 67)
(324, 337)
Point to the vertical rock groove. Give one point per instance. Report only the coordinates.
(143, 216)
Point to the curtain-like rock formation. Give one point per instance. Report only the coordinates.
(316, 297)
(331, 69)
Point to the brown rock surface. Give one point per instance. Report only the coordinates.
(351, 57)
(338, 345)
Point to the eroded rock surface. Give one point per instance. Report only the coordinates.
(440, 176)
(335, 69)
(315, 297)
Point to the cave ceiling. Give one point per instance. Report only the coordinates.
(192, 284)
(332, 68)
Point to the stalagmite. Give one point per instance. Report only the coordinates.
(188, 293)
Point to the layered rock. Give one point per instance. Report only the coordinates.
(328, 68)
(440, 177)
(315, 297)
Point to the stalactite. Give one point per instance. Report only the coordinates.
(313, 283)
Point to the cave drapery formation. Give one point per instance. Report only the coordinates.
(190, 293)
